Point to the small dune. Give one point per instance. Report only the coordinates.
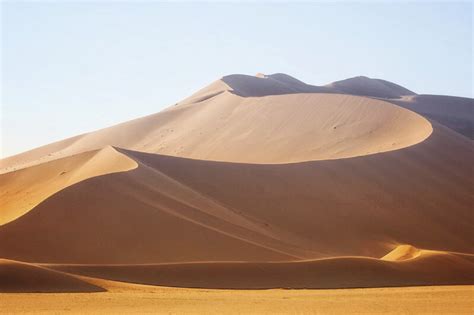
(22, 190)
(402, 252)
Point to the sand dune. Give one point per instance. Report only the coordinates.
(252, 212)
(252, 182)
(403, 252)
(429, 268)
(456, 113)
(177, 130)
(22, 190)
(271, 129)
(21, 277)
(365, 86)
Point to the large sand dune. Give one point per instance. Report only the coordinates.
(254, 182)
(265, 105)
(218, 124)
(356, 206)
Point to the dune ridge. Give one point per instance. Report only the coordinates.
(365, 86)
(429, 268)
(438, 108)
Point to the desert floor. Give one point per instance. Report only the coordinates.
(140, 299)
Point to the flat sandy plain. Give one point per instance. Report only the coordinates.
(142, 299)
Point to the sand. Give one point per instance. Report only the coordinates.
(27, 278)
(22, 190)
(258, 182)
(456, 113)
(256, 212)
(429, 268)
(162, 300)
(370, 87)
(220, 124)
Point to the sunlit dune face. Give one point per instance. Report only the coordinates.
(273, 129)
(288, 128)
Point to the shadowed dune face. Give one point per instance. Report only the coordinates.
(456, 113)
(275, 84)
(430, 268)
(18, 277)
(370, 87)
(22, 190)
(256, 212)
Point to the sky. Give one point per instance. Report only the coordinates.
(69, 68)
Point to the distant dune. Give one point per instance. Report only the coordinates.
(365, 86)
(252, 182)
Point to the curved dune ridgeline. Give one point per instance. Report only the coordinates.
(219, 125)
(430, 268)
(252, 182)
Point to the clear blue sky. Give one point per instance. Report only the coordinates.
(69, 68)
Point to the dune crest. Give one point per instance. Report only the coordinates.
(440, 268)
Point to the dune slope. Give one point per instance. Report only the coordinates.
(370, 87)
(21, 277)
(349, 207)
(270, 129)
(251, 183)
(456, 113)
(20, 191)
(430, 268)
